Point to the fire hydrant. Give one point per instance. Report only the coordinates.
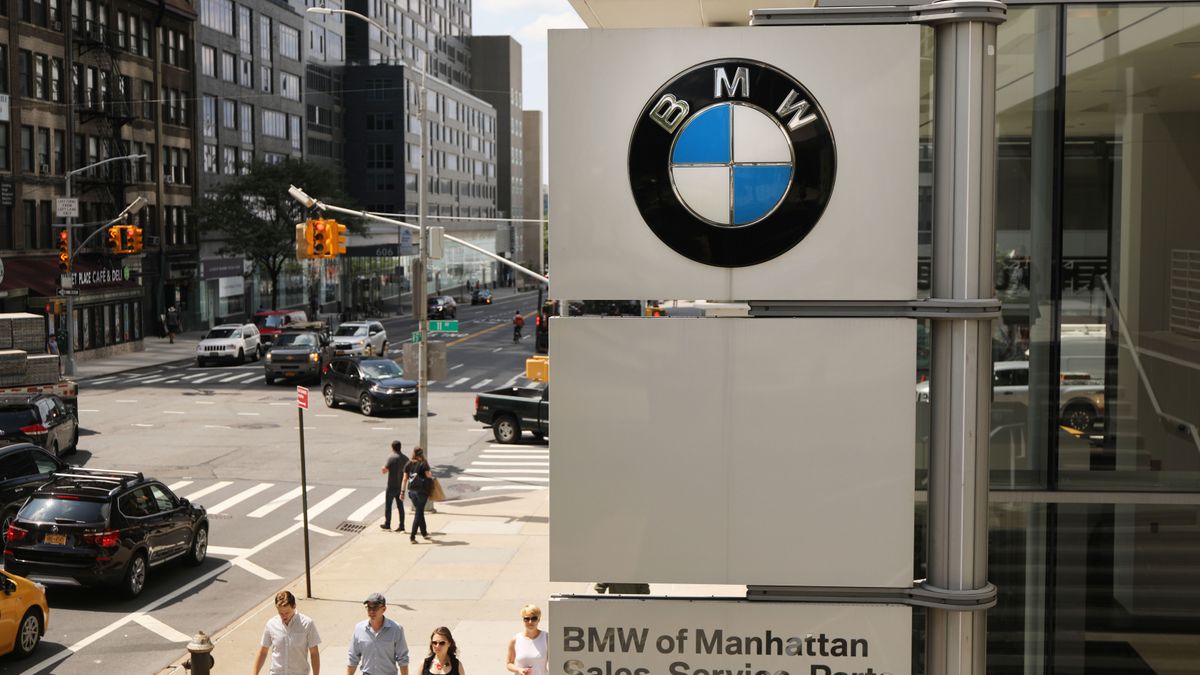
(200, 651)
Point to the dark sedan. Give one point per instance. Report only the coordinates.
(443, 307)
(373, 384)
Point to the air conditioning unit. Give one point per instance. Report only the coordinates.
(45, 169)
(169, 180)
(56, 25)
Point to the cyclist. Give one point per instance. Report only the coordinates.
(517, 321)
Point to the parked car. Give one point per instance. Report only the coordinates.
(373, 384)
(298, 354)
(103, 528)
(231, 341)
(481, 296)
(1081, 398)
(442, 307)
(24, 467)
(24, 614)
(360, 338)
(511, 410)
(40, 419)
(271, 322)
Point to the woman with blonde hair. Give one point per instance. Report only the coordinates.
(443, 655)
(527, 650)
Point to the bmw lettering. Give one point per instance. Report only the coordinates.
(732, 163)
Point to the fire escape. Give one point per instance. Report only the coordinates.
(103, 108)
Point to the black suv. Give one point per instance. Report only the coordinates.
(41, 419)
(24, 467)
(443, 307)
(374, 384)
(91, 527)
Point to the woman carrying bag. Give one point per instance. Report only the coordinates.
(418, 479)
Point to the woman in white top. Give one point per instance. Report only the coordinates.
(527, 649)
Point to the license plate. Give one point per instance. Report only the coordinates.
(60, 539)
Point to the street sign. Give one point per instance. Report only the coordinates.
(416, 337)
(444, 326)
(302, 397)
(68, 291)
(66, 207)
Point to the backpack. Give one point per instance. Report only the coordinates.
(417, 480)
(519, 320)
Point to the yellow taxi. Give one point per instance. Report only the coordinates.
(23, 614)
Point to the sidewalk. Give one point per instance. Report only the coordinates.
(157, 352)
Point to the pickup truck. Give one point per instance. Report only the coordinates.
(511, 410)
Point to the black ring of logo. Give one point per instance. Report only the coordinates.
(813, 171)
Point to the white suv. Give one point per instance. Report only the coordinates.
(229, 341)
(360, 338)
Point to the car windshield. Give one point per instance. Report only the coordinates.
(296, 340)
(220, 333)
(61, 510)
(269, 321)
(381, 369)
(343, 331)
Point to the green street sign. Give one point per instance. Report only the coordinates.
(416, 337)
(444, 326)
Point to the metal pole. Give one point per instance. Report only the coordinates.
(69, 325)
(961, 371)
(304, 508)
(420, 302)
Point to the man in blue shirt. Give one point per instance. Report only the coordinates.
(378, 645)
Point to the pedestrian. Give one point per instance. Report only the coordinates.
(418, 479)
(527, 649)
(290, 639)
(172, 323)
(378, 646)
(443, 655)
(394, 468)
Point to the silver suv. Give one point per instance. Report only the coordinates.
(231, 341)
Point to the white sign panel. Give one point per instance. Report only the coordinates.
(608, 636)
(733, 450)
(735, 163)
(66, 207)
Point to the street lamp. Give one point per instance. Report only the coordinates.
(421, 307)
(70, 326)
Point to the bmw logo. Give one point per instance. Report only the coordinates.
(732, 162)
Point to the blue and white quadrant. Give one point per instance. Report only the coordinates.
(732, 164)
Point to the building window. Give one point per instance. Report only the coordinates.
(381, 121)
(265, 75)
(228, 67)
(147, 100)
(246, 75)
(209, 116)
(244, 28)
(229, 160)
(210, 158)
(229, 113)
(218, 15)
(381, 182)
(25, 71)
(29, 209)
(4, 146)
(208, 61)
(43, 151)
(264, 38)
(56, 75)
(378, 90)
(381, 156)
(247, 160)
(294, 123)
(289, 42)
(289, 86)
(27, 149)
(246, 123)
(274, 124)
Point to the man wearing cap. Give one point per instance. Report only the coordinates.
(378, 645)
(289, 638)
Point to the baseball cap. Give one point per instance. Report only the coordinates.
(375, 599)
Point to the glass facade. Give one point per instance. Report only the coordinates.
(1094, 528)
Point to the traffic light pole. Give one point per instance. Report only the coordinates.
(69, 282)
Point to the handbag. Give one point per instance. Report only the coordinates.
(435, 491)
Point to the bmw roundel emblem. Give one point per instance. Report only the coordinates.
(732, 162)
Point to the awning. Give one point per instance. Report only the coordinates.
(41, 276)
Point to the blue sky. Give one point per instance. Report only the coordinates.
(527, 21)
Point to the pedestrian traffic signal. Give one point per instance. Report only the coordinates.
(135, 239)
(338, 235)
(303, 242)
(115, 243)
(64, 250)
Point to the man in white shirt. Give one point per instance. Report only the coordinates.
(287, 638)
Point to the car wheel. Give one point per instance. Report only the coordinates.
(270, 379)
(506, 429)
(366, 405)
(1079, 417)
(6, 520)
(330, 399)
(241, 357)
(199, 362)
(199, 547)
(29, 634)
(135, 576)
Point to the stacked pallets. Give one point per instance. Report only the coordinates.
(23, 357)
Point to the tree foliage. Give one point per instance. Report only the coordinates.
(256, 218)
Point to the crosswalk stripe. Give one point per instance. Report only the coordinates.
(277, 502)
(154, 379)
(493, 447)
(457, 382)
(481, 384)
(510, 463)
(206, 379)
(489, 479)
(512, 380)
(367, 508)
(324, 504)
(219, 485)
(191, 377)
(240, 376)
(101, 380)
(178, 485)
(240, 497)
(489, 455)
(510, 470)
(513, 487)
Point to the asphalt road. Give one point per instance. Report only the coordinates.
(222, 437)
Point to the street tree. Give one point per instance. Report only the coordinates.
(256, 219)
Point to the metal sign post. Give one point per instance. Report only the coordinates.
(301, 406)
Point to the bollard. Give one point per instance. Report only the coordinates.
(200, 660)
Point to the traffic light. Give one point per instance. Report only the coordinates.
(137, 238)
(338, 235)
(64, 250)
(126, 238)
(303, 241)
(115, 243)
(320, 238)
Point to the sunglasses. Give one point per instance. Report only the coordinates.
(438, 643)
(531, 618)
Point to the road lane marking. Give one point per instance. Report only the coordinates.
(320, 530)
(143, 425)
(192, 376)
(511, 463)
(278, 403)
(159, 628)
(492, 454)
(457, 382)
(154, 379)
(324, 415)
(513, 380)
(173, 412)
(366, 509)
(209, 490)
(324, 504)
(497, 349)
(256, 570)
(87, 410)
(482, 383)
(176, 486)
(494, 447)
(456, 366)
(276, 503)
(513, 487)
(487, 479)
(381, 429)
(206, 379)
(240, 497)
(127, 400)
(239, 376)
(216, 426)
(100, 381)
(205, 402)
(510, 470)
(249, 414)
(228, 551)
